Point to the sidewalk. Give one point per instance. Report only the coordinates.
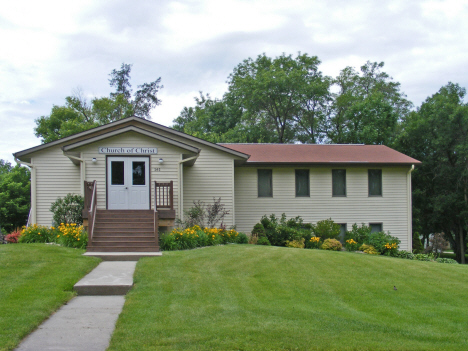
(87, 321)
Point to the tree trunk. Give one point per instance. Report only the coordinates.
(461, 243)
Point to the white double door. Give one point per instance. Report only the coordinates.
(128, 185)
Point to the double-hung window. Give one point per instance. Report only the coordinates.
(339, 182)
(265, 182)
(375, 182)
(302, 183)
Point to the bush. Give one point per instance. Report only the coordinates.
(258, 230)
(167, 242)
(437, 244)
(446, 260)
(331, 244)
(253, 239)
(36, 234)
(279, 230)
(263, 241)
(242, 238)
(351, 245)
(327, 229)
(299, 244)
(382, 242)
(12, 238)
(204, 215)
(358, 234)
(313, 243)
(417, 244)
(369, 249)
(424, 257)
(404, 254)
(68, 210)
(70, 235)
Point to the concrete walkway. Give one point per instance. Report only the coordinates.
(86, 323)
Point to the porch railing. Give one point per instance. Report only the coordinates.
(89, 211)
(164, 195)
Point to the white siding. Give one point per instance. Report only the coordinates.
(357, 207)
(168, 170)
(212, 176)
(56, 176)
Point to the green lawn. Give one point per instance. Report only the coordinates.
(245, 297)
(35, 280)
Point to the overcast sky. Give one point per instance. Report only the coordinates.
(49, 48)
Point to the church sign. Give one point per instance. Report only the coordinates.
(128, 150)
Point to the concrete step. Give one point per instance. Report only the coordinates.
(122, 256)
(108, 278)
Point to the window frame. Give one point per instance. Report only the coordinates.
(369, 182)
(345, 187)
(308, 182)
(271, 182)
(378, 223)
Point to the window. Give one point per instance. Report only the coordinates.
(343, 228)
(376, 227)
(339, 182)
(265, 182)
(375, 182)
(302, 183)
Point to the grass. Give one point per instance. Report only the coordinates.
(35, 280)
(246, 297)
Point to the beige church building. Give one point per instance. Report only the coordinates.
(137, 176)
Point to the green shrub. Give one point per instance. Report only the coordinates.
(36, 234)
(446, 260)
(70, 235)
(424, 257)
(258, 230)
(369, 249)
(327, 229)
(68, 210)
(313, 243)
(299, 244)
(383, 242)
(417, 244)
(358, 234)
(404, 254)
(263, 241)
(242, 238)
(279, 230)
(167, 242)
(351, 245)
(331, 244)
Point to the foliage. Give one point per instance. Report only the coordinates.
(242, 238)
(369, 249)
(437, 135)
(280, 230)
(358, 234)
(13, 237)
(331, 244)
(446, 260)
(195, 236)
(258, 230)
(202, 215)
(78, 114)
(313, 243)
(70, 235)
(437, 244)
(351, 245)
(424, 257)
(68, 209)
(263, 241)
(253, 239)
(15, 195)
(384, 243)
(36, 234)
(417, 245)
(299, 244)
(327, 229)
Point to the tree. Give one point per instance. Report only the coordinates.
(15, 195)
(437, 135)
(79, 115)
(367, 108)
(289, 96)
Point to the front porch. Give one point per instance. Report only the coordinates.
(128, 230)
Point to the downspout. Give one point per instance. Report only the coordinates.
(410, 209)
(33, 187)
(180, 194)
(82, 171)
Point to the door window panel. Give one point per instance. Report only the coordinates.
(117, 173)
(139, 174)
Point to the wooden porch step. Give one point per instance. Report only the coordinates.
(128, 244)
(123, 249)
(122, 238)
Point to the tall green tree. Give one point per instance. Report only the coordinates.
(289, 94)
(15, 195)
(368, 107)
(437, 135)
(78, 114)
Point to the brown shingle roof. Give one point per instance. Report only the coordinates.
(322, 153)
